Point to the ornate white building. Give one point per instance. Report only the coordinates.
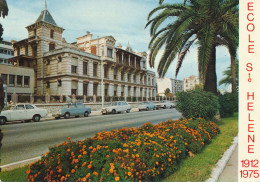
(61, 68)
(190, 82)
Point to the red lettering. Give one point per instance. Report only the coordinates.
(249, 7)
(249, 39)
(249, 67)
(250, 27)
(252, 19)
(251, 48)
(250, 106)
(251, 149)
(249, 117)
(251, 127)
(252, 95)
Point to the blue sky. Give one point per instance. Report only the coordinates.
(123, 19)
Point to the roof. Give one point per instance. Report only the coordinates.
(45, 16)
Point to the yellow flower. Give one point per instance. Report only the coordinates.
(117, 178)
(129, 173)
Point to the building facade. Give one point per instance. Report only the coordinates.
(190, 82)
(173, 84)
(6, 51)
(61, 68)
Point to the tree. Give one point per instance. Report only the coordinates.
(167, 91)
(206, 23)
(3, 12)
(228, 77)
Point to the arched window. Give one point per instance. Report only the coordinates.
(51, 46)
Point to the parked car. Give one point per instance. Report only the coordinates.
(146, 106)
(165, 104)
(72, 109)
(116, 107)
(22, 112)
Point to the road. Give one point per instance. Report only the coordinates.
(28, 140)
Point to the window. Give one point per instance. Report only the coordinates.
(129, 91)
(4, 78)
(34, 31)
(85, 68)
(115, 74)
(19, 80)
(26, 50)
(48, 62)
(47, 84)
(129, 77)
(115, 90)
(95, 87)
(34, 51)
(85, 89)
(122, 90)
(94, 69)
(19, 107)
(109, 52)
(106, 71)
(59, 59)
(73, 69)
(27, 106)
(134, 78)
(51, 46)
(18, 51)
(122, 75)
(26, 81)
(59, 83)
(73, 91)
(52, 34)
(106, 89)
(11, 80)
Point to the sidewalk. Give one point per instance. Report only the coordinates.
(229, 174)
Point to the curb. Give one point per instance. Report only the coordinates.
(220, 166)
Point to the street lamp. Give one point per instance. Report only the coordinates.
(102, 79)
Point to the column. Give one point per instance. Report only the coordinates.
(80, 87)
(90, 88)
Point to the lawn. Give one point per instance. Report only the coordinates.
(197, 168)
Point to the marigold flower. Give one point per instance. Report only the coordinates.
(60, 170)
(73, 171)
(87, 176)
(79, 156)
(129, 173)
(68, 138)
(85, 152)
(117, 178)
(89, 166)
(95, 173)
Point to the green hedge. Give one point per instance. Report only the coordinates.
(197, 103)
(148, 153)
(228, 104)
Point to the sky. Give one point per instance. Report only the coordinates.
(125, 20)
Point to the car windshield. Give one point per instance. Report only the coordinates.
(113, 104)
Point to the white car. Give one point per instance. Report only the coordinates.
(23, 112)
(165, 104)
(116, 107)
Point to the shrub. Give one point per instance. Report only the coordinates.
(228, 104)
(197, 103)
(148, 153)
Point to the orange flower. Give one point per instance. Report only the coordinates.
(87, 176)
(117, 178)
(73, 171)
(95, 173)
(68, 138)
(129, 173)
(85, 152)
(60, 170)
(89, 166)
(84, 179)
(79, 156)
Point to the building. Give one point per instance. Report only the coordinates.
(61, 68)
(190, 82)
(6, 51)
(173, 84)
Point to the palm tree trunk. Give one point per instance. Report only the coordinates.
(210, 81)
(233, 73)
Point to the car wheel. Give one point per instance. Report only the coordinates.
(2, 120)
(113, 111)
(67, 115)
(128, 110)
(147, 109)
(164, 106)
(36, 118)
(86, 114)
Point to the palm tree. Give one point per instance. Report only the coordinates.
(206, 23)
(227, 80)
(3, 13)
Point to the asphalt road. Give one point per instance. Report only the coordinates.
(28, 140)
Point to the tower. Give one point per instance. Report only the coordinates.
(44, 35)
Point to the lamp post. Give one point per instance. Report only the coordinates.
(102, 79)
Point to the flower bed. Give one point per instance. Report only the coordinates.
(148, 153)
